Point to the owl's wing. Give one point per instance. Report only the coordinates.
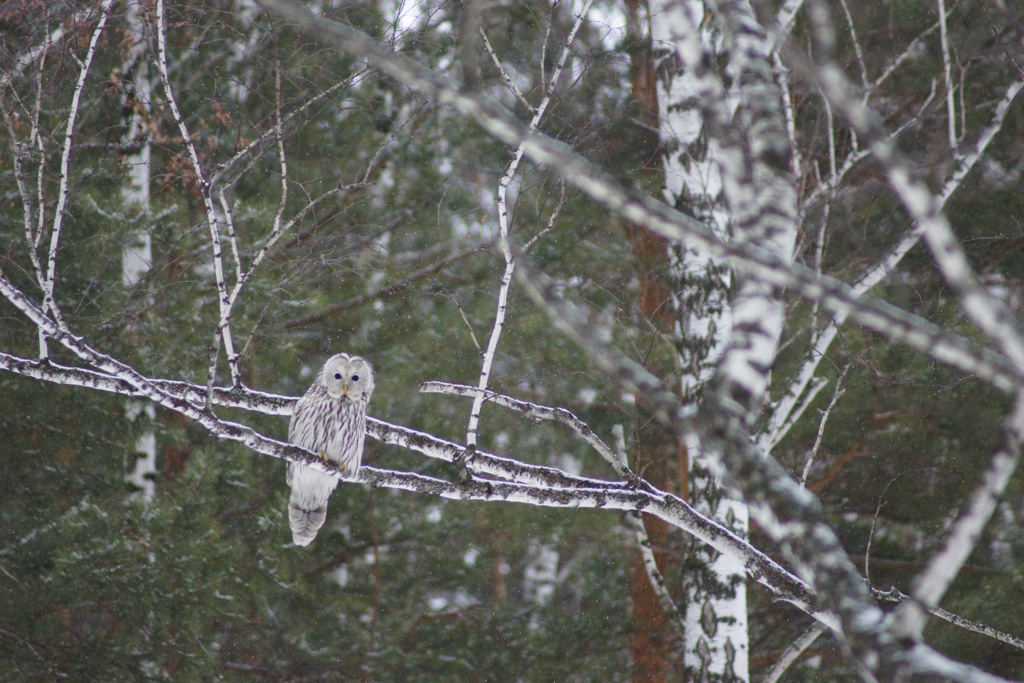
(310, 489)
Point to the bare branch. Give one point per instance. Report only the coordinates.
(643, 541)
(793, 652)
(821, 425)
(504, 229)
(657, 580)
(856, 44)
(383, 292)
(988, 313)
(913, 48)
(947, 72)
(931, 584)
(786, 412)
(39, 51)
(65, 168)
(790, 514)
(641, 209)
(895, 596)
(551, 219)
(539, 412)
(223, 324)
(509, 83)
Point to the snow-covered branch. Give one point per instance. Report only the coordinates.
(522, 483)
(539, 412)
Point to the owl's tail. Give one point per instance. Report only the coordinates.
(305, 518)
(307, 505)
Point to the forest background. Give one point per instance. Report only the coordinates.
(716, 263)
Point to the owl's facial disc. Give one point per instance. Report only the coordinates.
(348, 377)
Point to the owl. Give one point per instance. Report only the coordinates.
(330, 420)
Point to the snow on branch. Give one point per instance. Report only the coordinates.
(523, 483)
(539, 412)
(527, 484)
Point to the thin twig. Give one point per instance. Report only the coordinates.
(272, 133)
(856, 44)
(947, 72)
(840, 390)
(931, 584)
(384, 292)
(551, 219)
(793, 652)
(913, 48)
(643, 541)
(465, 320)
(896, 596)
(65, 169)
(871, 533)
(509, 83)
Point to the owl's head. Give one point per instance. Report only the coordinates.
(348, 376)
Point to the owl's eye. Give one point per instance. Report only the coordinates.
(355, 378)
(337, 375)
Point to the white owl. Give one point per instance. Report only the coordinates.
(330, 420)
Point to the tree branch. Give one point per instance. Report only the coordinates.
(839, 298)
(205, 189)
(530, 484)
(504, 229)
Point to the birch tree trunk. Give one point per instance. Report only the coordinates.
(137, 255)
(717, 642)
